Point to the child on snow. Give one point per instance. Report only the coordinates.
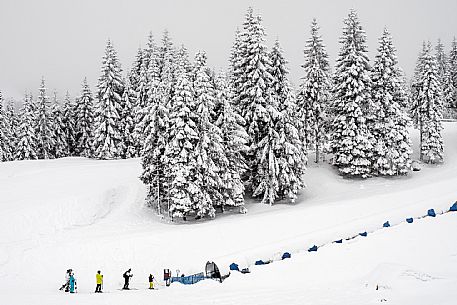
(151, 281)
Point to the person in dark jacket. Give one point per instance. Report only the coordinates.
(151, 281)
(127, 275)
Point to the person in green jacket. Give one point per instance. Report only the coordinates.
(99, 280)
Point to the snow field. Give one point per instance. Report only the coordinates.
(89, 215)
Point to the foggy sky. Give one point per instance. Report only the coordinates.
(64, 40)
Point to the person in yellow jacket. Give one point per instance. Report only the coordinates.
(99, 280)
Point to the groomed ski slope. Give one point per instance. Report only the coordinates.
(89, 215)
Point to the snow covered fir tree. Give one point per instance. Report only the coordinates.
(26, 148)
(84, 122)
(351, 137)
(392, 146)
(6, 150)
(314, 95)
(210, 141)
(45, 141)
(107, 142)
(428, 106)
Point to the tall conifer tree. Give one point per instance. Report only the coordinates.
(6, 150)
(428, 106)
(392, 150)
(313, 98)
(84, 127)
(107, 132)
(45, 141)
(27, 141)
(351, 141)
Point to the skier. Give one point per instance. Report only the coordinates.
(66, 286)
(72, 282)
(127, 275)
(99, 280)
(151, 281)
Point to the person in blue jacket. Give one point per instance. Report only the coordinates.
(72, 283)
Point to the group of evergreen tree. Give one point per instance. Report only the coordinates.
(187, 133)
(44, 128)
(369, 123)
(205, 138)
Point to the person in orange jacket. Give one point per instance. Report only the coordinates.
(99, 280)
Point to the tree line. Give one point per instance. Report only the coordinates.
(207, 139)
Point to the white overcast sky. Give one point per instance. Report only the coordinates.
(64, 40)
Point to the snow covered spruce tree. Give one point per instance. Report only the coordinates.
(60, 148)
(444, 76)
(108, 128)
(234, 139)
(239, 60)
(27, 141)
(428, 107)
(280, 158)
(237, 63)
(45, 142)
(182, 60)
(392, 149)
(141, 86)
(253, 95)
(84, 122)
(153, 152)
(69, 121)
(453, 71)
(6, 150)
(184, 188)
(128, 122)
(351, 141)
(211, 158)
(134, 73)
(313, 97)
(141, 97)
(13, 120)
(257, 96)
(168, 67)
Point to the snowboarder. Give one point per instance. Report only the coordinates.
(127, 275)
(151, 281)
(72, 283)
(99, 280)
(66, 286)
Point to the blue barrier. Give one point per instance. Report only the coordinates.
(386, 224)
(339, 241)
(234, 267)
(409, 220)
(431, 213)
(313, 249)
(188, 280)
(453, 208)
(285, 255)
(364, 234)
(259, 262)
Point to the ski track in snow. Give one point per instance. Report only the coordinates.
(89, 215)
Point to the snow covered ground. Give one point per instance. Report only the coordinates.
(89, 215)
